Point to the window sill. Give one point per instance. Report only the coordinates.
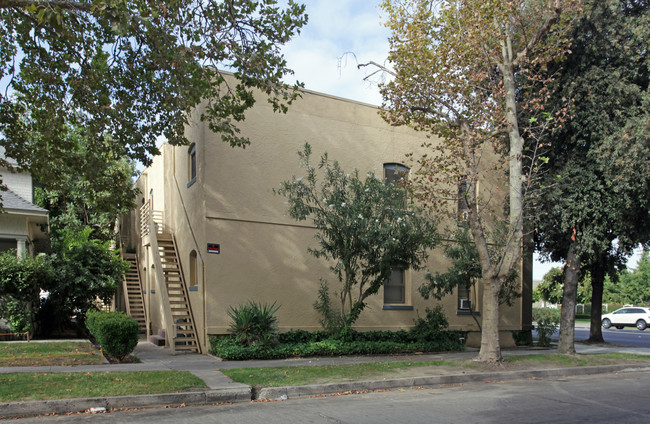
(397, 308)
(192, 181)
(464, 312)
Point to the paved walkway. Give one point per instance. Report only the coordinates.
(222, 389)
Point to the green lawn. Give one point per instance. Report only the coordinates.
(301, 375)
(51, 353)
(41, 386)
(578, 360)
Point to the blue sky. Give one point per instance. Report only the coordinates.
(339, 34)
(322, 55)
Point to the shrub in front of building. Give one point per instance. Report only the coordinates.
(115, 333)
(429, 334)
(548, 321)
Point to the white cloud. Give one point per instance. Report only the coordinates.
(324, 56)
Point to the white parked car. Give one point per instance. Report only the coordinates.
(630, 316)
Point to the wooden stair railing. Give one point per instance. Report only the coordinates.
(184, 337)
(133, 292)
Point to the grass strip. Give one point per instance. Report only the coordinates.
(583, 360)
(42, 386)
(51, 353)
(300, 375)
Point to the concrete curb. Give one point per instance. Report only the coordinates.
(62, 406)
(246, 393)
(288, 392)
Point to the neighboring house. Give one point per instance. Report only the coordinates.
(210, 233)
(21, 222)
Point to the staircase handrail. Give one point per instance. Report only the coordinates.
(187, 292)
(125, 290)
(197, 249)
(170, 328)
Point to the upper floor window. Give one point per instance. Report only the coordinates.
(191, 164)
(395, 173)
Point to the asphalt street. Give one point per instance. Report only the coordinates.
(625, 337)
(391, 399)
(619, 398)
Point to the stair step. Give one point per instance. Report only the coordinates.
(134, 293)
(187, 348)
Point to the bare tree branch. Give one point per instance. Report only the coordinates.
(61, 4)
(541, 31)
(381, 67)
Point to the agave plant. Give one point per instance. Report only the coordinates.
(254, 323)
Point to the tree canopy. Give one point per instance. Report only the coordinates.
(126, 72)
(464, 71)
(86, 190)
(633, 286)
(595, 207)
(362, 227)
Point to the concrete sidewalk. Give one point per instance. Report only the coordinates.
(222, 389)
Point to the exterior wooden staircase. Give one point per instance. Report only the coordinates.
(133, 292)
(185, 338)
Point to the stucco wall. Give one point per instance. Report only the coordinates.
(263, 251)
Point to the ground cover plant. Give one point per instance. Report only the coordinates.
(41, 386)
(301, 375)
(45, 354)
(429, 334)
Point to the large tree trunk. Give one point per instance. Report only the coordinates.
(490, 347)
(597, 284)
(569, 294)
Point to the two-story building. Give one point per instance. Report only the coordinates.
(211, 234)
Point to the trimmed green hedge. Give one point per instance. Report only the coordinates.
(302, 343)
(115, 332)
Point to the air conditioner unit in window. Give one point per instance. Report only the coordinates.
(465, 304)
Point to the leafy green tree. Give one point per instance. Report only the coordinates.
(86, 270)
(551, 287)
(86, 190)
(128, 72)
(633, 287)
(20, 282)
(362, 228)
(595, 207)
(465, 70)
(465, 271)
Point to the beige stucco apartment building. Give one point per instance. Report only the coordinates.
(234, 241)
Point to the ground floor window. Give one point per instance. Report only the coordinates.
(464, 298)
(395, 286)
